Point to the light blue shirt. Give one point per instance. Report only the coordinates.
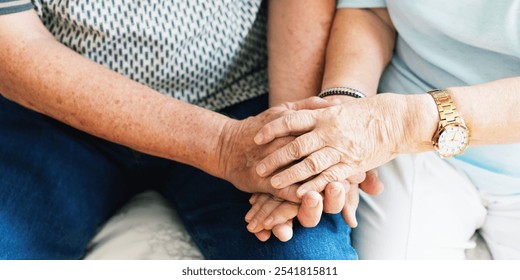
(446, 43)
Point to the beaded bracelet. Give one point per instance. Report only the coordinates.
(342, 91)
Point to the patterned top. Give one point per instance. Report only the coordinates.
(208, 53)
(10, 6)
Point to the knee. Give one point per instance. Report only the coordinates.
(322, 243)
(37, 243)
(330, 240)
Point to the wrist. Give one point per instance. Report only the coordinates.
(340, 94)
(419, 122)
(219, 164)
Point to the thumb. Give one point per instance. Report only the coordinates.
(310, 210)
(310, 103)
(372, 185)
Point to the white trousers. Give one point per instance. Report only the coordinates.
(430, 210)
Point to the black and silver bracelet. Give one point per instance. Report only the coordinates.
(342, 91)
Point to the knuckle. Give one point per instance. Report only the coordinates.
(287, 105)
(286, 113)
(330, 175)
(312, 164)
(294, 149)
(287, 122)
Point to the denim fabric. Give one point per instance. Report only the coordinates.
(58, 185)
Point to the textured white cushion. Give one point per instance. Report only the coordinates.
(146, 228)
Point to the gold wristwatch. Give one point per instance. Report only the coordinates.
(452, 135)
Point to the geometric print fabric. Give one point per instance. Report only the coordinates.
(209, 53)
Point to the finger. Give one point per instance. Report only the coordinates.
(338, 99)
(294, 150)
(260, 200)
(300, 147)
(372, 185)
(352, 202)
(263, 235)
(284, 232)
(336, 173)
(283, 213)
(261, 215)
(311, 103)
(287, 193)
(276, 144)
(314, 164)
(253, 198)
(334, 197)
(310, 210)
(286, 125)
(358, 178)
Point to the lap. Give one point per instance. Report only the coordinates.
(501, 230)
(213, 212)
(428, 210)
(57, 186)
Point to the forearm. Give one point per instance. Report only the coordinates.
(360, 46)
(298, 31)
(489, 110)
(43, 75)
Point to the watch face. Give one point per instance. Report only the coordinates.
(453, 140)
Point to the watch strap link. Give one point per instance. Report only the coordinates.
(447, 110)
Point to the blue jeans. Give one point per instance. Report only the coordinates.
(58, 185)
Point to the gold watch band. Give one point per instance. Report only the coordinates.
(447, 111)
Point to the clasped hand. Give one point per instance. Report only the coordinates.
(335, 146)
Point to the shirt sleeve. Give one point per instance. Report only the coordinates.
(361, 4)
(14, 6)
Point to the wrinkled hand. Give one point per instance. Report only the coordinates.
(239, 155)
(336, 143)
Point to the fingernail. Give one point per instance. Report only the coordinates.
(312, 202)
(252, 225)
(258, 138)
(260, 169)
(300, 193)
(276, 181)
(354, 220)
(269, 221)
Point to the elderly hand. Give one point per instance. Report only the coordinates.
(335, 143)
(271, 214)
(239, 154)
